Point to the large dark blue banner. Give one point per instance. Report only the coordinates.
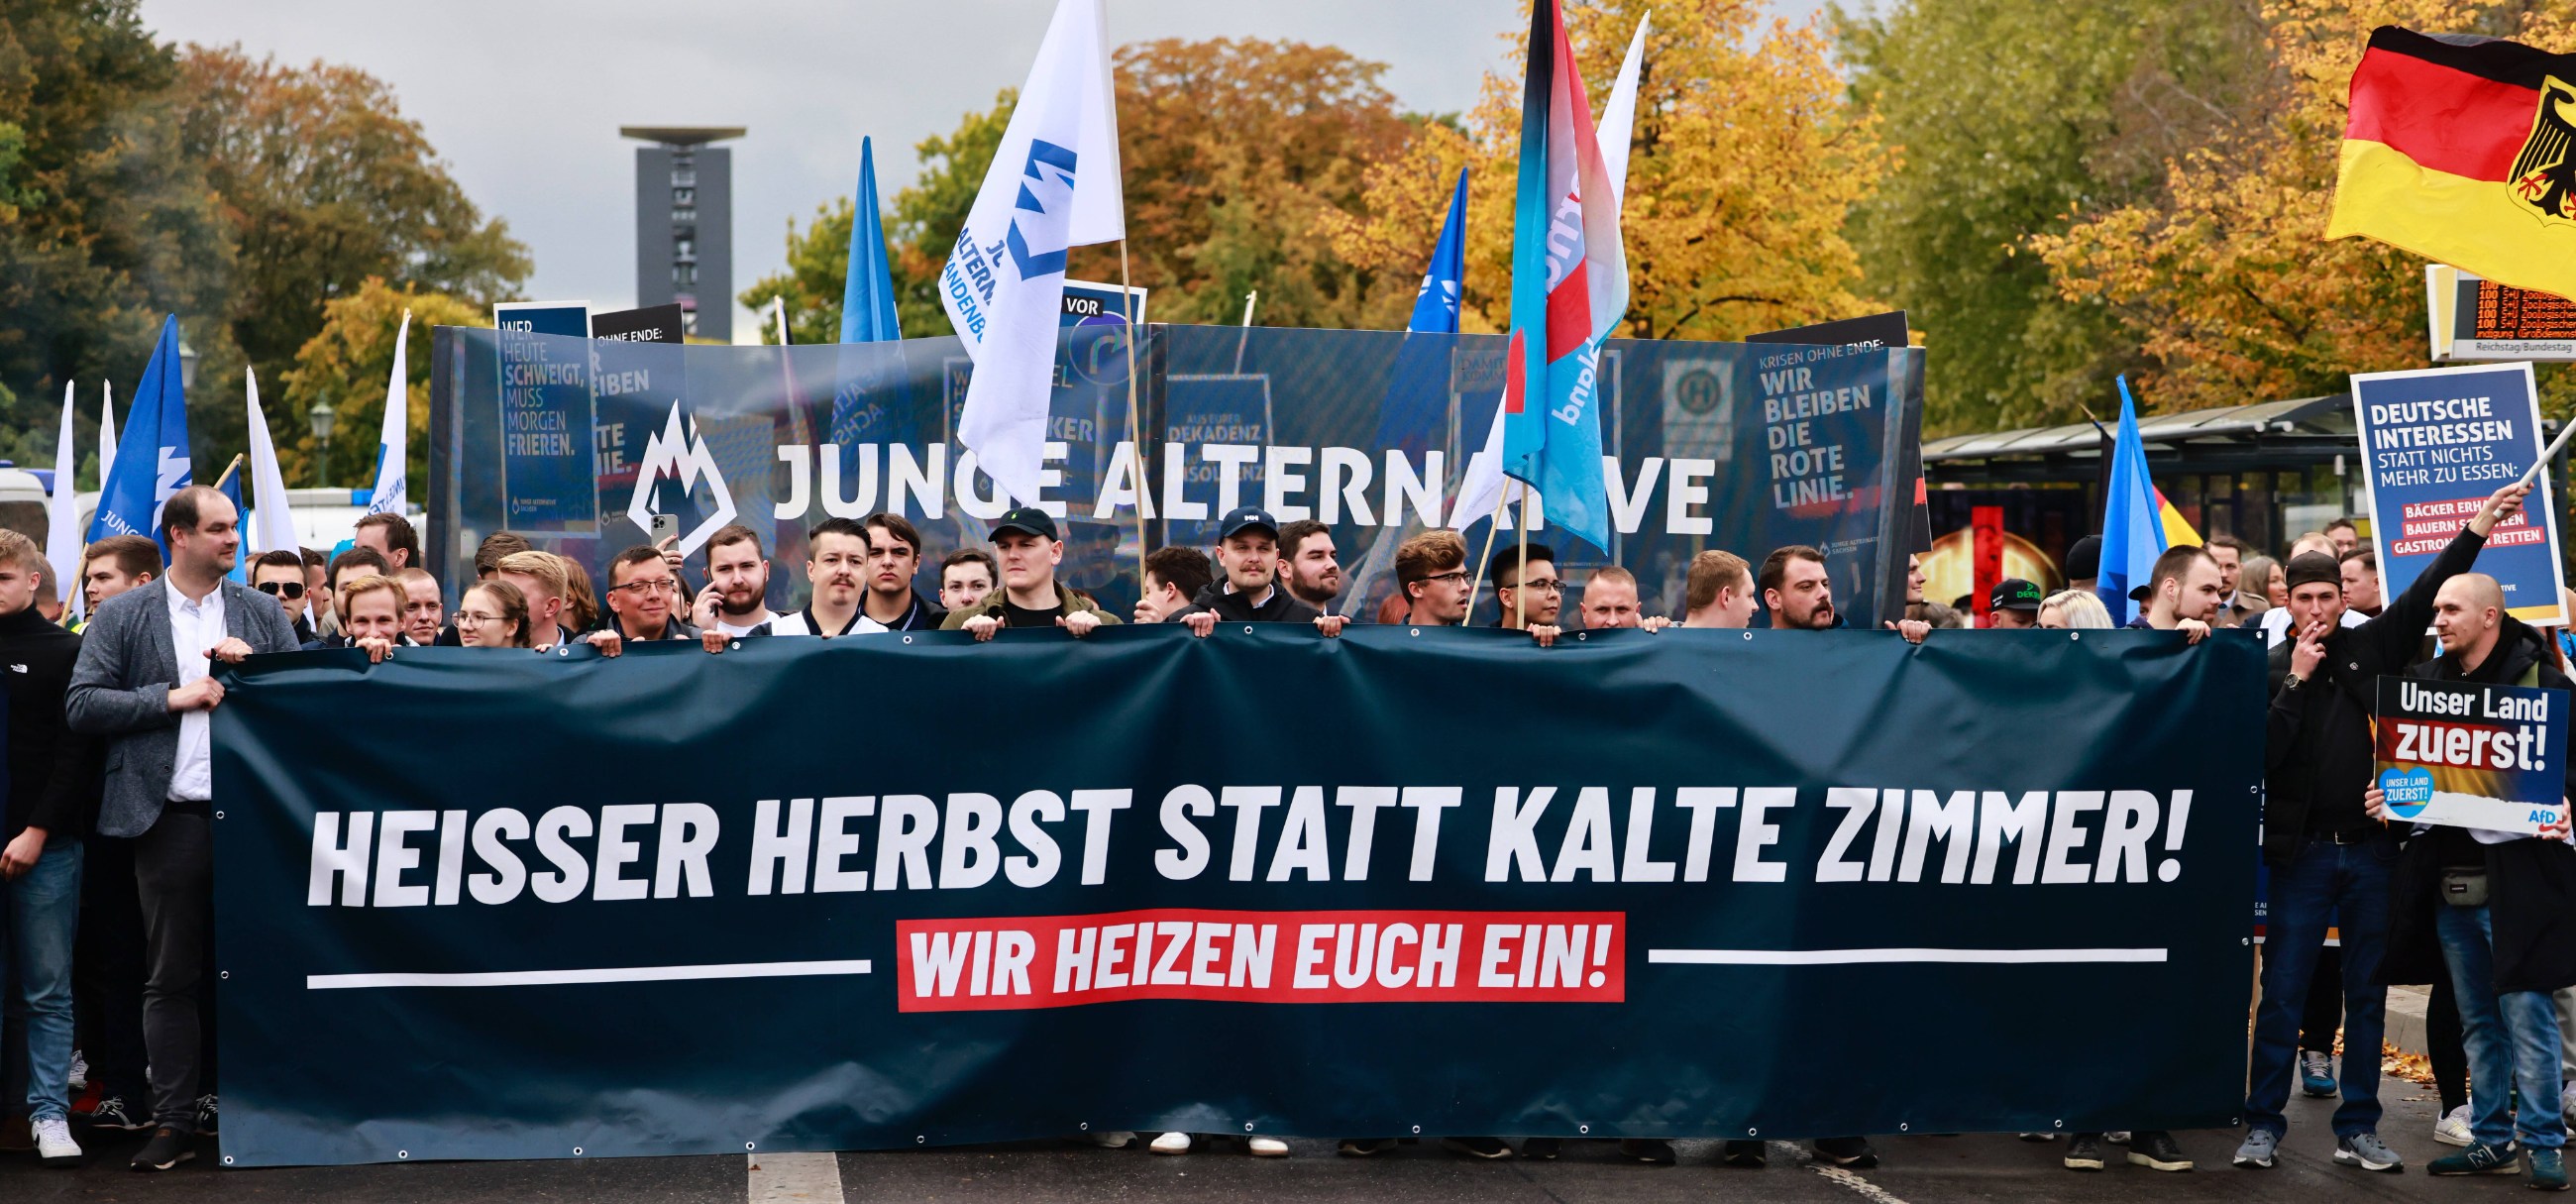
(1691, 884)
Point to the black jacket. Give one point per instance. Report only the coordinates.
(2531, 884)
(2335, 760)
(54, 774)
(1233, 607)
(924, 615)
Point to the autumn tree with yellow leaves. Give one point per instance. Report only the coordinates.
(1746, 157)
(2223, 277)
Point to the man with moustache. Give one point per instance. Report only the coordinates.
(1800, 594)
(1250, 590)
(836, 566)
(1309, 565)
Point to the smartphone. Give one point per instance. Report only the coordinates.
(665, 526)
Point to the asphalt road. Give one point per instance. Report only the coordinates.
(1915, 1170)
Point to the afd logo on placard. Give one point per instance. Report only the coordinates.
(680, 454)
(2407, 791)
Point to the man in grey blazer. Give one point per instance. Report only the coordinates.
(143, 682)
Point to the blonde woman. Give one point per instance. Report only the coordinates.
(2073, 608)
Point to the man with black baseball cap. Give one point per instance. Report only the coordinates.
(1249, 590)
(2014, 604)
(1025, 542)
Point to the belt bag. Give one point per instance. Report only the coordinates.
(2465, 887)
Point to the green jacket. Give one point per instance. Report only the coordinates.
(1067, 602)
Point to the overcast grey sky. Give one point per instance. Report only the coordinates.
(523, 99)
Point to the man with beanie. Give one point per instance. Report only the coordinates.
(2328, 857)
(2084, 564)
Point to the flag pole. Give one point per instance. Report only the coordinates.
(1135, 427)
(229, 469)
(1477, 582)
(1520, 593)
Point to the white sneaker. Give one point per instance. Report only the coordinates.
(2453, 1128)
(1114, 1139)
(1267, 1147)
(54, 1144)
(1174, 1142)
(2567, 1103)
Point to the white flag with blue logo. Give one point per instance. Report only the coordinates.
(390, 496)
(1053, 186)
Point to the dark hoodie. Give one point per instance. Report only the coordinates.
(2317, 750)
(2531, 883)
(1236, 607)
(54, 775)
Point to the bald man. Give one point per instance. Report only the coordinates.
(1610, 600)
(2507, 957)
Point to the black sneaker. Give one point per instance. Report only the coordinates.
(168, 1148)
(1653, 1151)
(1476, 1147)
(112, 1113)
(1545, 1149)
(1750, 1155)
(206, 1114)
(1849, 1153)
(2155, 1149)
(2084, 1153)
(1362, 1147)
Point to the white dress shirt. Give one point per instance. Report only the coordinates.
(194, 627)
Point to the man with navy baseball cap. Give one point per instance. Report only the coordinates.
(1247, 589)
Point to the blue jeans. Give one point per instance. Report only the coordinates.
(42, 913)
(2322, 879)
(2512, 1038)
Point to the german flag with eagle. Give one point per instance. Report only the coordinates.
(2463, 150)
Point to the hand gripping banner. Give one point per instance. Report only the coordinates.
(906, 890)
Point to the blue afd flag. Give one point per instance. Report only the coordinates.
(2133, 530)
(1415, 413)
(152, 453)
(1435, 309)
(1569, 289)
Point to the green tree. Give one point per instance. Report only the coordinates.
(105, 225)
(322, 184)
(2012, 117)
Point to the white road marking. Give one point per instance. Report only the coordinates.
(1852, 957)
(1867, 1189)
(782, 1178)
(533, 978)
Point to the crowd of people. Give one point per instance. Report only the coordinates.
(107, 856)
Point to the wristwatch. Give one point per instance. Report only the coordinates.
(2294, 682)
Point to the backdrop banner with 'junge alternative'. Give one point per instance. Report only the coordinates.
(911, 890)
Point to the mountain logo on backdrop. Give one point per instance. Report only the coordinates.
(680, 454)
(2544, 174)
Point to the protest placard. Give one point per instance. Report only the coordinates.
(2473, 754)
(2434, 444)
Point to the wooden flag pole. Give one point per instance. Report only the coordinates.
(1477, 582)
(1135, 427)
(229, 469)
(1520, 593)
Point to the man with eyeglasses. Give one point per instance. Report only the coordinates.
(643, 593)
(1431, 570)
(1531, 593)
(280, 575)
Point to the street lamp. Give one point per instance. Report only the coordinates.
(187, 364)
(322, 418)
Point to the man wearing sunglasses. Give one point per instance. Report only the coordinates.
(643, 601)
(280, 575)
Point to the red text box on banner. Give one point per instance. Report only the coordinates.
(993, 964)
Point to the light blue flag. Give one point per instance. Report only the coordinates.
(2133, 531)
(867, 300)
(152, 452)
